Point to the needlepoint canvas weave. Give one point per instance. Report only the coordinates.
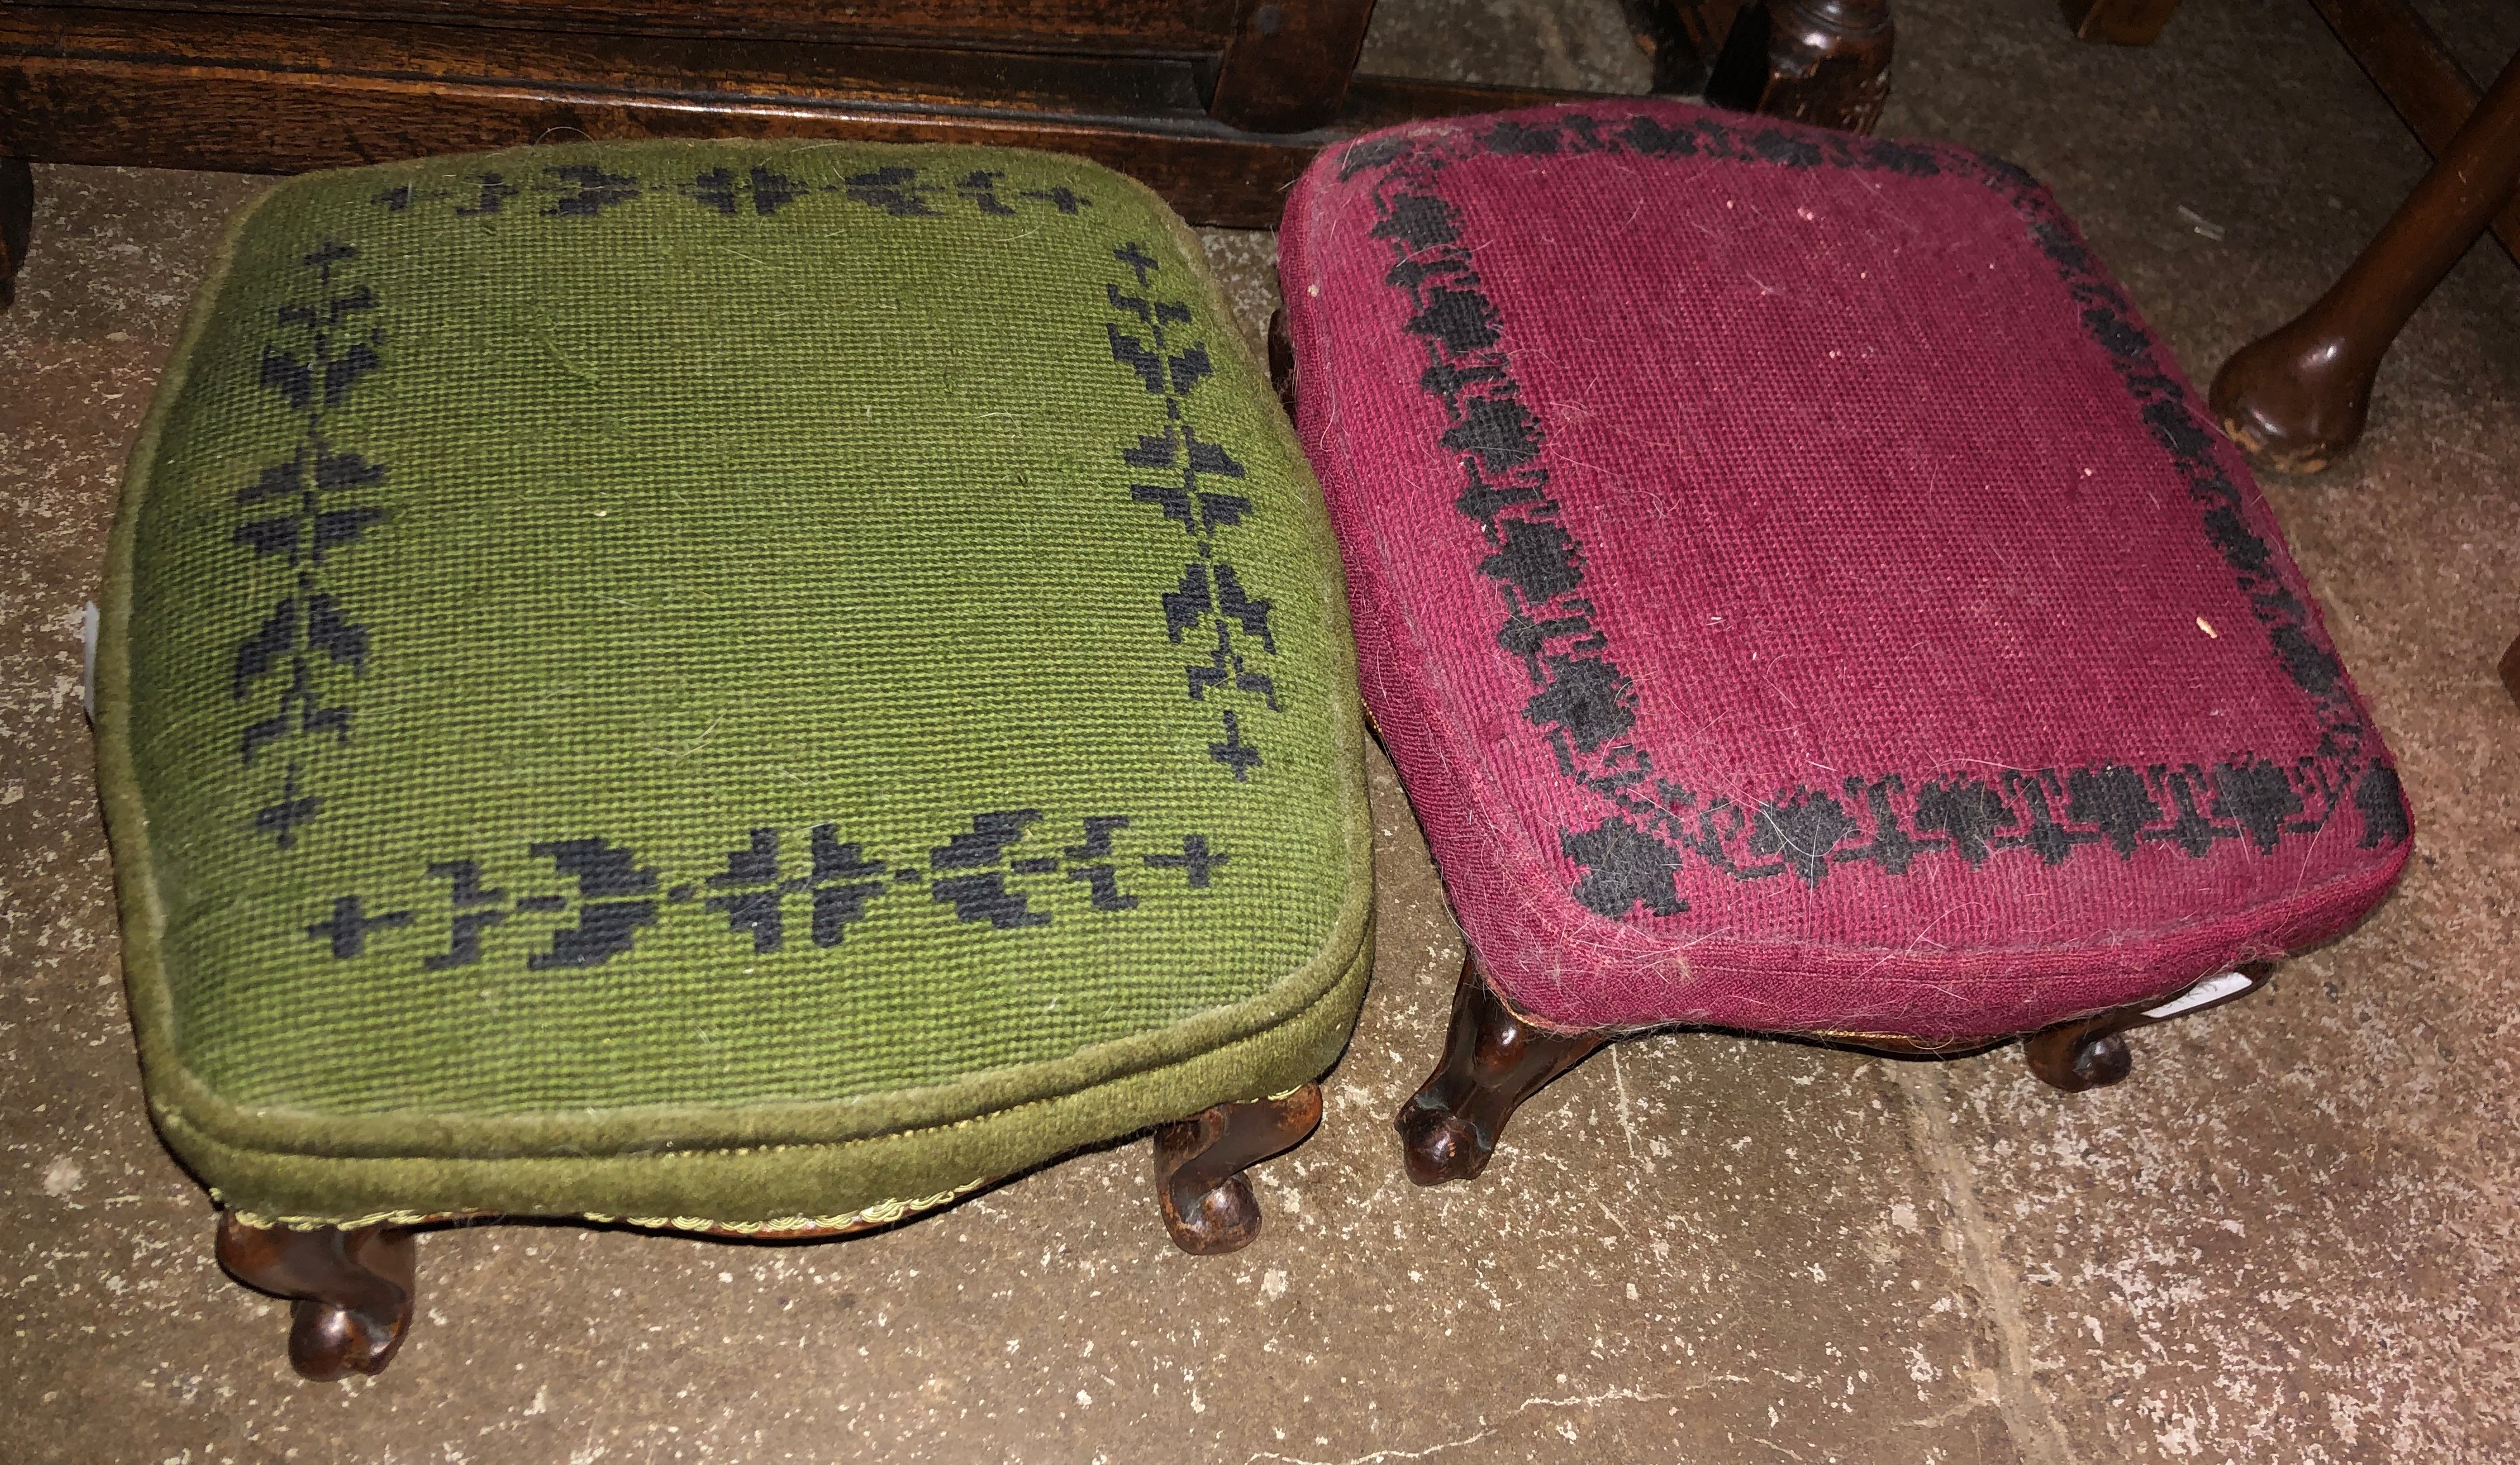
(719, 680)
(1798, 591)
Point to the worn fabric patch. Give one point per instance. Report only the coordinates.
(1798, 591)
(627, 647)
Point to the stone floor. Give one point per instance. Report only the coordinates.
(2290, 1237)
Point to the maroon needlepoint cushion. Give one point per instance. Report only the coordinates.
(1798, 591)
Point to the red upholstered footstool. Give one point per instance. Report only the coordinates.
(1802, 597)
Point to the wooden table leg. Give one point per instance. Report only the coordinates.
(2298, 396)
(1825, 62)
(16, 220)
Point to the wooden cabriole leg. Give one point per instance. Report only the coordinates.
(1825, 62)
(1207, 1203)
(2298, 396)
(1493, 1059)
(352, 1290)
(2092, 1052)
(17, 222)
(2122, 23)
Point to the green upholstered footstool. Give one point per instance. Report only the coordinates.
(718, 686)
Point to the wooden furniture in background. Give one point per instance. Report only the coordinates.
(1683, 36)
(2123, 22)
(1216, 104)
(2298, 396)
(2418, 75)
(16, 216)
(1824, 62)
(1817, 61)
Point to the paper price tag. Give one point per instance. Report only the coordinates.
(2211, 989)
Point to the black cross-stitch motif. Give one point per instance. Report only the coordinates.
(590, 190)
(477, 909)
(995, 870)
(1585, 705)
(836, 883)
(292, 667)
(495, 192)
(586, 191)
(280, 817)
(983, 896)
(1060, 197)
(765, 190)
(607, 922)
(347, 929)
(981, 189)
(1210, 608)
(1196, 862)
(896, 191)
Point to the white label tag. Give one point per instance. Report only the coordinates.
(2211, 989)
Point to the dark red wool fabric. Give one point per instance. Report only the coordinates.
(1798, 592)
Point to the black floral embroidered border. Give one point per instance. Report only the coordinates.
(584, 190)
(301, 510)
(1585, 704)
(299, 518)
(1206, 599)
(833, 887)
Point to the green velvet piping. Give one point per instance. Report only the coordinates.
(738, 1185)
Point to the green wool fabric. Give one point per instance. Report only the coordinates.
(719, 680)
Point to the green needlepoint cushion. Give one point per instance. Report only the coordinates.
(724, 682)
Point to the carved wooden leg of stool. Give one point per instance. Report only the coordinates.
(17, 221)
(2092, 1052)
(1208, 1204)
(2298, 396)
(1814, 61)
(352, 1290)
(2123, 22)
(1493, 1059)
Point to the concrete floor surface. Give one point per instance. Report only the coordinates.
(2289, 1237)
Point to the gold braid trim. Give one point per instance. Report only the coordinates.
(880, 1213)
